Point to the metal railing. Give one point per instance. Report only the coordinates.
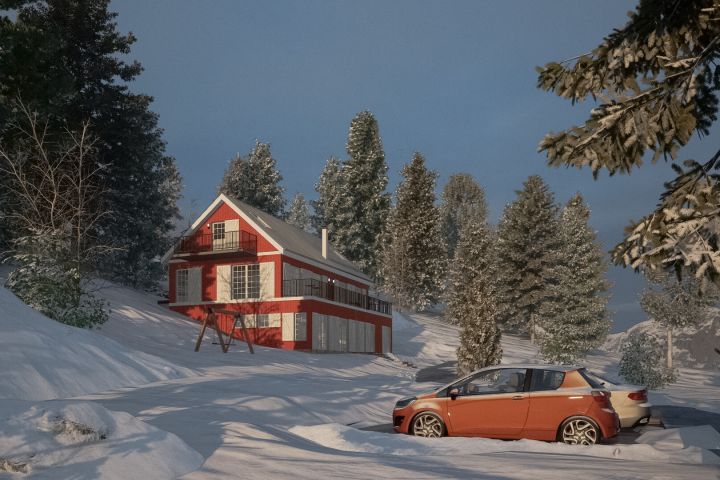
(236, 241)
(316, 288)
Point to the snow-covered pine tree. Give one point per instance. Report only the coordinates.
(463, 200)
(331, 198)
(675, 303)
(527, 241)
(299, 214)
(414, 250)
(472, 298)
(365, 205)
(574, 317)
(641, 361)
(255, 180)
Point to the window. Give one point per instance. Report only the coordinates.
(546, 380)
(245, 281)
(181, 285)
(300, 327)
(263, 320)
(218, 231)
(503, 380)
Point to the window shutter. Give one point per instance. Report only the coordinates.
(267, 279)
(223, 283)
(288, 327)
(195, 285)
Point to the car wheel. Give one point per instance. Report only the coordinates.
(579, 431)
(428, 424)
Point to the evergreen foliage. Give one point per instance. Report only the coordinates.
(413, 257)
(463, 200)
(255, 180)
(528, 239)
(299, 214)
(657, 78)
(641, 361)
(575, 319)
(66, 60)
(364, 203)
(473, 297)
(328, 206)
(675, 303)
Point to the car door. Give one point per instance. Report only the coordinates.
(548, 405)
(492, 403)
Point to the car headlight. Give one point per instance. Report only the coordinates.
(404, 402)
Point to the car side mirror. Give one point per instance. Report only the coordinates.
(454, 393)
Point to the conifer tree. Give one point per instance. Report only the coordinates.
(331, 194)
(463, 200)
(413, 259)
(255, 180)
(66, 60)
(473, 297)
(365, 203)
(657, 79)
(527, 241)
(641, 361)
(575, 319)
(299, 214)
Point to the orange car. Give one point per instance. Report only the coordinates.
(539, 402)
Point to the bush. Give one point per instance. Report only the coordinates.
(642, 361)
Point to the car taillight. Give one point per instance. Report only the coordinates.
(640, 395)
(602, 397)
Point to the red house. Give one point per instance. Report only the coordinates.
(295, 291)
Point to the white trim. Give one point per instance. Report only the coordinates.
(245, 217)
(326, 266)
(280, 300)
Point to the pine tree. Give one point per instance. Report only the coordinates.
(365, 204)
(255, 180)
(473, 299)
(575, 319)
(675, 303)
(299, 214)
(641, 361)
(414, 252)
(66, 60)
(657, 78)
(331, 193)
(463, 200)
(527, 241)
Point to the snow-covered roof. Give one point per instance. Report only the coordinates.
(296, 240)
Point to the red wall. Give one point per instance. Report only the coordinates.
(224, 212)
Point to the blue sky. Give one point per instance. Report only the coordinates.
(454, 80)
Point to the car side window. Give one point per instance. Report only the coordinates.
(503, 380)
(544, 380)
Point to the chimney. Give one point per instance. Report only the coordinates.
(324, 242)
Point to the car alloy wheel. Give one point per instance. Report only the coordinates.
(579, 431)
(428, 425)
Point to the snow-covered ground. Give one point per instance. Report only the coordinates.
(275, 414)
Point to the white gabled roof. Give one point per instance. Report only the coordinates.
(287, 239)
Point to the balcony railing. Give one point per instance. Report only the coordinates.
(239, 241)
(316, 288)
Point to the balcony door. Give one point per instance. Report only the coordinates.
(225, 235)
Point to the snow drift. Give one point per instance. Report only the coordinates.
(42, 359)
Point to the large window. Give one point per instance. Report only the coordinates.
(181, 285)
(245, 281)
(300, 327)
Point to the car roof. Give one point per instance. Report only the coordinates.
(536, 366)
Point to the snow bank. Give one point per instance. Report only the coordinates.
(42, 359)
(341, 437)
(703, 436)
(83, 440)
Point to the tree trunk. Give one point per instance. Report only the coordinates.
(532, 328)
(669, 348)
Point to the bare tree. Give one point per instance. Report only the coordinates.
(54, 196)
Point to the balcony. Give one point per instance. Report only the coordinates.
(235, 242)
(310, 287)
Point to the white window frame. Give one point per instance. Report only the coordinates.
(218, 230)
(262, 320)
(300, 334)
(182, 277)
(245, 281)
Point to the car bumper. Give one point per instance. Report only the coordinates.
(401, 419)
(636, 415)
(609, 423)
